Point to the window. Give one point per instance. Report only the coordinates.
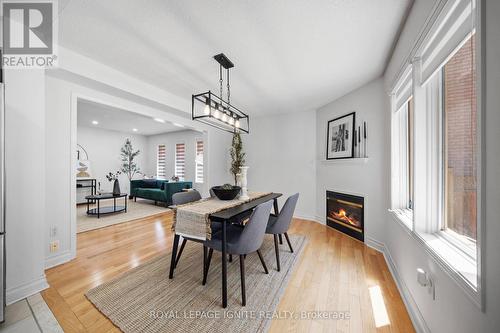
(160, 162)
(436, 146)
(180, 160)
(409, 157)
(459, 132)
(199, 161)
(402, 147)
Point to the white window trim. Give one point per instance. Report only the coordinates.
(399, 143)
(196, 140)
(175, 159)
(439, 245)
(165, 161)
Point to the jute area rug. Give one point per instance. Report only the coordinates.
(135, 210)
(145, 300)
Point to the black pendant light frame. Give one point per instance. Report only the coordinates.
(216, 111)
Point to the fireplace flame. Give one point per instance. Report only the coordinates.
(342, 215)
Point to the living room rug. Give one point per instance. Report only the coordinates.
(145, 300)
(135, 210)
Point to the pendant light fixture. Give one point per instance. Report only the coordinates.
(213, 110)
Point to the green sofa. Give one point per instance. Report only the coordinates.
(156, 189)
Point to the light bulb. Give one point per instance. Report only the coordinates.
(231, 121)
(224, 117)
(217, 114)
(206, 110)
(237, 123)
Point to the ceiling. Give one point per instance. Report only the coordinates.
(115, 119)
(289, 55)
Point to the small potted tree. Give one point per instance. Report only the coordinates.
(128, 154)
(237, 156)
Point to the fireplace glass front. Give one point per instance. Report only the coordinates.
(345, 212)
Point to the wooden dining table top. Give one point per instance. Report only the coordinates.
(232, 212)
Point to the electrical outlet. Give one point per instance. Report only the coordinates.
(54, 246)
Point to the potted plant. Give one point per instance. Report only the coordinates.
(113, 177)
(237, 156)
(226, 191)
(127, 154)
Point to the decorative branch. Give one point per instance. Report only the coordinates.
(237, 155)
(127, 153)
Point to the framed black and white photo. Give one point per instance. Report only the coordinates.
(340, 137)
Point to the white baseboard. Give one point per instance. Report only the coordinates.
(316, 218)
(59, 259)
(320, 219)
(412, 308)
(27, 289)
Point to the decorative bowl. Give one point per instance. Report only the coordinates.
(226, 194)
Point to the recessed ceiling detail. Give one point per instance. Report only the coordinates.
(106, 117)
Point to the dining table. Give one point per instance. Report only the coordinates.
(229, 215)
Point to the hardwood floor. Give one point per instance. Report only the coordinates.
(335, 273)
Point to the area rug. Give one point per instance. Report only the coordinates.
(145, 300)
(135, 210)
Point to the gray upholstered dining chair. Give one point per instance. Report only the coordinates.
(242, 240)
(279, 225)
(181, 198)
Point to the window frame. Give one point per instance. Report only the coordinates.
(400, 97)
(196, 163)
(158, 161)
(454, 238)
(175, 161)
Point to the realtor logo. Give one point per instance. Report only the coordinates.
(28, 34)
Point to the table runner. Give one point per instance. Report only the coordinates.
(192, 219)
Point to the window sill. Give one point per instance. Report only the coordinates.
(455, 259)
(403, 217)
(455, 263)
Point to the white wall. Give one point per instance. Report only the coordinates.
(103, 147)
(170, 140)
(368, 178)
(25, 182)
(63, 89)
(281, 155)
(453, 311)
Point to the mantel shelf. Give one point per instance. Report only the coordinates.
(356, 160)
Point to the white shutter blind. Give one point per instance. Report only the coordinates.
(180, 160)
(450, 31)
(160, 162)
(199, 161)
(403, 89)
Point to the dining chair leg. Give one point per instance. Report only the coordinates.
(207, 266)
(276, 249)
(184, 241)
(204, 260)
(262, 262)
(281, 239)
(242, 272)
(174, 255)
(288, 241)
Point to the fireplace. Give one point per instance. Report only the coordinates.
(345, 212)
